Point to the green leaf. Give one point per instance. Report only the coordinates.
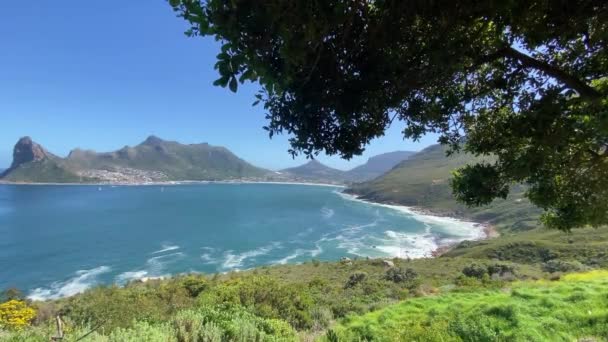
(233, 84)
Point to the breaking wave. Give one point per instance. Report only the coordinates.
(83, 280)
(235, 261)
(166, 248)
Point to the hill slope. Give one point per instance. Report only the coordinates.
(423, 181)
(314, 170)
(572, 309)
(152, 160)
(33, 163)
(377, 165)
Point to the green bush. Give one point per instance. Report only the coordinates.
(475, 271)
(355, 279)
(142, 331)
(266, 297)
(407, 276)
(231, 323)
(553, 266)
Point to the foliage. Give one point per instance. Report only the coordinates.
(15, 315)
(423, 180)
(355, 279)
(406, 276)
(229, 323)
(571, 309)
(522, 83)
(553, 266)
(266, 297)
(142, 331)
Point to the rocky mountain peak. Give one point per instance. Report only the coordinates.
(153, 141)
(26, 150)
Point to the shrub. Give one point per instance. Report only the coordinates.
(500, 270)
(265, 297)
(231, 323)
(322, 317)
(407, 276)
(194, 285)
(15, 315)
(355, 279)
(553, 266)
(475, 271)
(142, 331)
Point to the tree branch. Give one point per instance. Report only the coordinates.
(582, 88)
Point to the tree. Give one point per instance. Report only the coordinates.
(522, 81)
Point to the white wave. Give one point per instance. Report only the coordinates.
(234, 261)
(166, 248)
(156, 265)
(286, 259)
(327, 213)
(131, 275)
(300, 252)
(407, 245)
(82, 281)
(208, 259)
(461, 229)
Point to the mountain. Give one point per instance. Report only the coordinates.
(152, 160)
(423, 181)
(33, 163)
(377, 165)
(315, 171)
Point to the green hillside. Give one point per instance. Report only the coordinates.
(377, 165)
(176, 161)
(423, 181)
(315, 171)
(573, 308)
(48, 170)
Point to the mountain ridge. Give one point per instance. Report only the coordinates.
(152, 160)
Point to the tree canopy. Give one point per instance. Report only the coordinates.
(522, 81)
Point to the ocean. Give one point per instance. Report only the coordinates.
(56, 241)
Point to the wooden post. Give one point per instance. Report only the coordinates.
(59, 330)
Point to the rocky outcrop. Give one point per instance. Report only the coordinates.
(27, 151)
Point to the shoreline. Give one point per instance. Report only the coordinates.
(173, 183)
(487, 230)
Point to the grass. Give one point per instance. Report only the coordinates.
(566, 310)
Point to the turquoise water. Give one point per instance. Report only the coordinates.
(58, 240)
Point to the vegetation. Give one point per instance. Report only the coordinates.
(423, 180)
(524, 82)
(15, 315)
(43, 171)
(573, 308)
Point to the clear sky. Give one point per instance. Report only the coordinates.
(104, 74)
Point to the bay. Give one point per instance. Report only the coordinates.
(58, 240)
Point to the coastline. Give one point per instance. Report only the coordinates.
(171, 183)
(486, 230)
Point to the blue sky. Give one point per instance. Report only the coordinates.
(104, 74)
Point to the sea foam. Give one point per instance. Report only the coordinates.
(166, 248)
(467, 230)
(79, 283)
(235, 261)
